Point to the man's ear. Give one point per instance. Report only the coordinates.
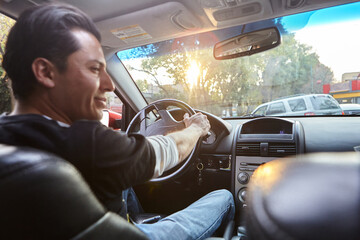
(44, 72)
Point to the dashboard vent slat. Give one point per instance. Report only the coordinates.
(274, 149)
(248, 149)
(281, 149)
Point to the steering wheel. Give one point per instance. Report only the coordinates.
(163, 124)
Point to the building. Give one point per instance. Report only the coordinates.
(347, 91)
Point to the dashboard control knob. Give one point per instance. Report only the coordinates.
(243, 178)
(242, 195)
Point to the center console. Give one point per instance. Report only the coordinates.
(259, 141)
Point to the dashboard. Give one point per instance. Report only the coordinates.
(240, 149)
(236, 147)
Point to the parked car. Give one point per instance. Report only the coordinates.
(225, 54)
(350, 108)
(305, 105)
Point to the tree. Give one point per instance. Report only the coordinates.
(142, 84)
(292, 68)
(5, 94)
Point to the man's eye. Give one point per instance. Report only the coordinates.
(95, 69)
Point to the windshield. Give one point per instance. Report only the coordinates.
(317, 56)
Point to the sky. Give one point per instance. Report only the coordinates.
(338, 45)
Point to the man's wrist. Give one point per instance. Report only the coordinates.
(197, 129)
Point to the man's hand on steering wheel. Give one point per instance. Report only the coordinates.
(196, 126)
(200, 120)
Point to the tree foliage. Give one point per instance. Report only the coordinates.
(5, 94)
(293, 68)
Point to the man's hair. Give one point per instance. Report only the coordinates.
(42, 31)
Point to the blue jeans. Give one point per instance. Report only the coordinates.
(198, 221)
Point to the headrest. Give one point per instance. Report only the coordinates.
(313, 196)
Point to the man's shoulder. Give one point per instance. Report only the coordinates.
(4, 118)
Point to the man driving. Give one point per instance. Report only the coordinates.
(57, 68)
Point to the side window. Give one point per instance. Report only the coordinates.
(276, 108)
(260, 111)
(297, 105)
(5, 96)
(112, 115)
(113, 102)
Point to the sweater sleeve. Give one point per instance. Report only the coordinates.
(166, 152)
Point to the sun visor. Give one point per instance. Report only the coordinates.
(145, 26)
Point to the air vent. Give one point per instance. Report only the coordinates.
(248, 149)
(281, 149)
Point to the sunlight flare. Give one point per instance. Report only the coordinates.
(193, 73)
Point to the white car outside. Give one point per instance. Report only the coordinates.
(303, 105)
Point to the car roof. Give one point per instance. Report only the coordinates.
(161, 20)
(347, 106)
(291, 98)
(295, 97)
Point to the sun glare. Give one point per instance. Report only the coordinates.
(193, 73)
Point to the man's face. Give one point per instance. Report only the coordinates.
(79, 92)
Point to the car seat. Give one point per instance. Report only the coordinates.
(44, 197)
(314, 196)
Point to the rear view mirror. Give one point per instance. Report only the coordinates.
(247, 44)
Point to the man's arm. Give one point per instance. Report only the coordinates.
(196, 126)
(175, 147)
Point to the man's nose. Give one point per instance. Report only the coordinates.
(106, 83)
